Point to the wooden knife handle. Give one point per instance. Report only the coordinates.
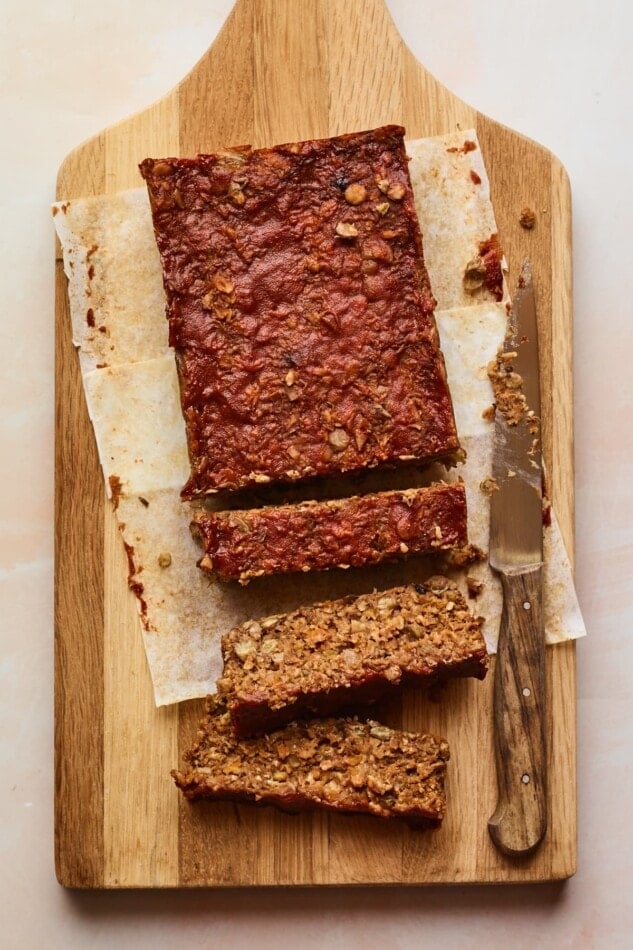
(520, 820)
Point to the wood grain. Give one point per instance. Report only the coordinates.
(519, 822)
(280, 70)
(79, 592)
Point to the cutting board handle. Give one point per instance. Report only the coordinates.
(369, 7)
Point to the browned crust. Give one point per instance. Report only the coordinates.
(318, 536)
(300, 310)
(342, 765)
(318, 660)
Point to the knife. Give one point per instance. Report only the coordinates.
(519, 822)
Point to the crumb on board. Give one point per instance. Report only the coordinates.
(527, 218)
(474, 586)
(465, 555)
(488, 485)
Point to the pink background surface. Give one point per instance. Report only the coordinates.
(559, 72)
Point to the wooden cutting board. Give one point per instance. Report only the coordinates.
(283, 70)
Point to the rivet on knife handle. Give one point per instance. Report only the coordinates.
(520, 819)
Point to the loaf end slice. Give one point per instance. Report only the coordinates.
(342, 765)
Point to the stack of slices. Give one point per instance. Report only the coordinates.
(302, 320)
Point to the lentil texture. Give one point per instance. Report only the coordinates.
(318, 660)
(344, 765)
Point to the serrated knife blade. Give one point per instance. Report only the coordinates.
(519, 822)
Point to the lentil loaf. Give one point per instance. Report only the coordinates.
(300, 310)
(318, 660)
(319, 535)
(343, 765)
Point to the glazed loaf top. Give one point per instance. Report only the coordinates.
(300, 309)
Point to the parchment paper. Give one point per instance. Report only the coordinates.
(120, 330)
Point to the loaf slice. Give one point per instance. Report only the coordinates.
(319, 535)
(318, 660)
(343, 765)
